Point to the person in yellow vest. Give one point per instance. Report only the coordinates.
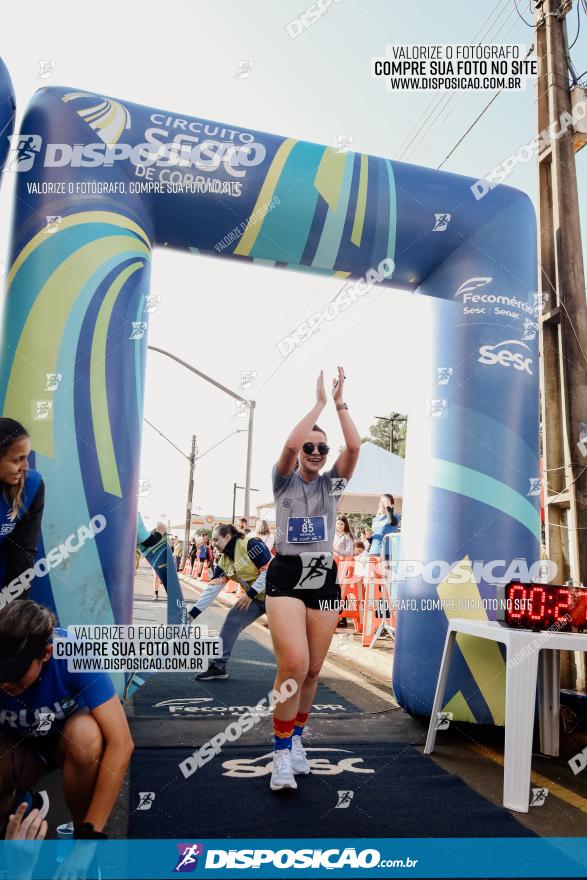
(244, 559)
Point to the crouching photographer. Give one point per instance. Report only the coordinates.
(51, 718)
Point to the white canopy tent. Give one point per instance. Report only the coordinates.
(377, 472)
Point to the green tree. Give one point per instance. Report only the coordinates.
(385, 432)
(201, 531)
(358, 521)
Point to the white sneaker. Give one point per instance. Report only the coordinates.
(299, 761)
(282, 774)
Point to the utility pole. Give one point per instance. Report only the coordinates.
(563, 324)
(392, 420)
(188, 511)
(249, 460)
(234, 488)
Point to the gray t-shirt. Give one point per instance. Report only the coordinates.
(299, 508)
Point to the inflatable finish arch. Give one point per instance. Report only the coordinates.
(75, 307)
(7, 110)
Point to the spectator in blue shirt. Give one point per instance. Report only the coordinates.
(386, 522)
(51, 718)
(22, 499)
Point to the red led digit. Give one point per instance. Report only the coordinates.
(562, 604)
(520, 600)
(537, 614)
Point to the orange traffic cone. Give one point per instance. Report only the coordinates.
(205, 573)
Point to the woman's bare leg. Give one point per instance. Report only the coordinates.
(320, 627)
(287, 624)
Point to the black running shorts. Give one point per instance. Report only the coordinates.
(311, 577)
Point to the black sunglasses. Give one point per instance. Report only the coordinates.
(323, 448)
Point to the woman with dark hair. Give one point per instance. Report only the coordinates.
(243, 558)
(385, 522)
(205, 552)
(303, 595)
(343, 539)
(22, 499)
(50, 717)
(193, 551)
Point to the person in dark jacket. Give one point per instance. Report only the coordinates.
(244, 559)
(22, 499)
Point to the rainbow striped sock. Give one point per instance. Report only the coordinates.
(282, 733)
(300, 723)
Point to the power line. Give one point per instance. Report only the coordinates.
(424, 114)
(527, 23)
(238, 431)
(198, 457)
(442, 120)
(452, 99)
(473, 124)
(476, 120)
(578, 25)
(436, 100)
(165, 437)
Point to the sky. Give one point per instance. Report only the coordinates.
(225, 317)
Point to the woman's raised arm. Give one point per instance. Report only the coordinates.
(293, 444)
(347, 460)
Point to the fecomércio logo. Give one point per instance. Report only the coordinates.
(472, 284)
(188, 854)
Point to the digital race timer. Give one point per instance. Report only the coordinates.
(542, 606)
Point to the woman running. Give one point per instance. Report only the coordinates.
(303, 595)
(22, 499)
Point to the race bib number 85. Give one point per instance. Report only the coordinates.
(306, 529)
